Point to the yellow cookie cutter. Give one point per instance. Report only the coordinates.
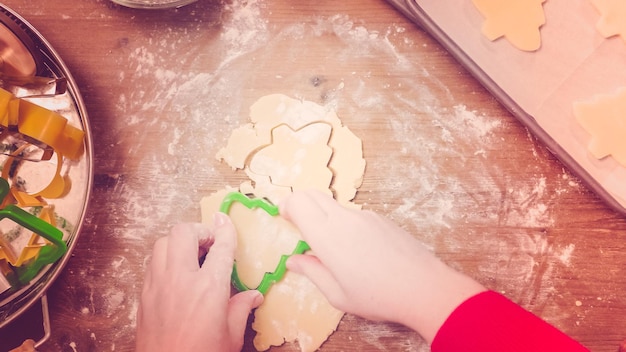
(55, 189)
(40, 125)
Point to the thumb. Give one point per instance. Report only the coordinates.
(311, 267)
(239, 307)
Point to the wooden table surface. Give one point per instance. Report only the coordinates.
(164, 89)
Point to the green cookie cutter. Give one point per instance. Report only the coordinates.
(48, 254)
(268, 278)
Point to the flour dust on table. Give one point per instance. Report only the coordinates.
(425, 128)
(288, 145)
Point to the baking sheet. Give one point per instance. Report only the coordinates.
(573, 64)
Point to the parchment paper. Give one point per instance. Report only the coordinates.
(573, 64)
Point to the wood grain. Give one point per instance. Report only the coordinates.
(163, 95)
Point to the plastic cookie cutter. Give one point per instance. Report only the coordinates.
(33, 247)
(49, 253)
(269, 278)
(40, 126)
(56, 188)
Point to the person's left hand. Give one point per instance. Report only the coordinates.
(188, 307)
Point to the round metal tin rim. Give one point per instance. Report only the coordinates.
(153, 5)
(36, 289)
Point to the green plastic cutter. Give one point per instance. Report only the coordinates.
(268, 278)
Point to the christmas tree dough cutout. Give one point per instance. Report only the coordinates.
(516, 20)
(613, 17)
(269, 112)
(306, 164)
(604, 117)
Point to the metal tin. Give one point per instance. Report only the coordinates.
(153, 4)
(73, 206)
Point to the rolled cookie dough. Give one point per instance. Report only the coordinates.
(269, 112)
(297, 159)
(288, 144)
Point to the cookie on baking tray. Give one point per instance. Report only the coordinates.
(518, 21)
(613, 17)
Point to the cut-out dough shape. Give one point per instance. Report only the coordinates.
(306, 163)
(516, 20)
(293, 309)
(269, 278)
(263, 187)
(613, 17)
(604, 117)
(347, 163)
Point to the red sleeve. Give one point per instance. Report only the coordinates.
(491, 322)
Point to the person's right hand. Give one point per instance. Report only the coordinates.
(366, 265)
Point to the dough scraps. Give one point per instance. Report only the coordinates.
(269, 112)
(604, 117)
(288, 144)
(517, 20)
(306, 163)
(613, 17)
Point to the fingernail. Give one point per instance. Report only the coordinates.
(258, 299)
(220, 219)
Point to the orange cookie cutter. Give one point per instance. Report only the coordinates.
(39, 125)
(55, 189)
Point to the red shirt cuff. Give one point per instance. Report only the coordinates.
(489, 321)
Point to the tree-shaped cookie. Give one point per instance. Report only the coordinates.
(516, 20)
(604, 117)
(346, 163)
(613, 17)
(297, 159)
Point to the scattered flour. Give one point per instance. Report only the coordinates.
(441, 183)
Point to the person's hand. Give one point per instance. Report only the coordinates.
(188, 307)
(366, 265)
